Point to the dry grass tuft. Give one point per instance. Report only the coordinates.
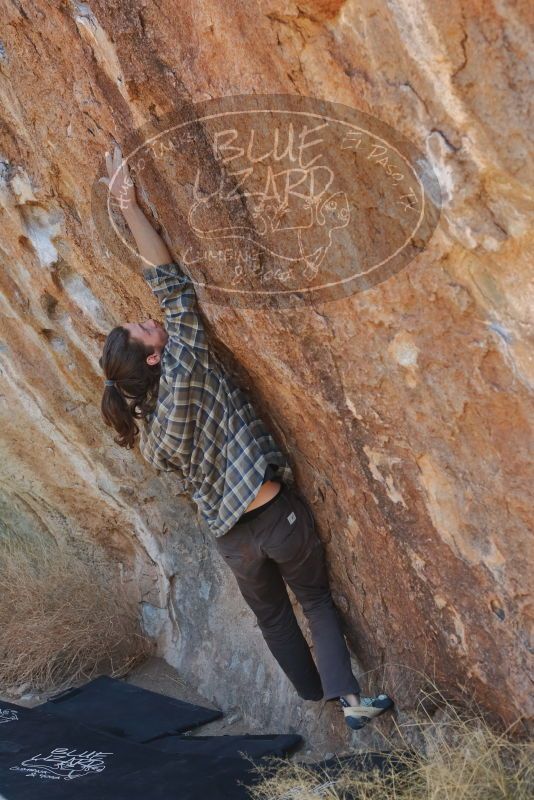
(63, 619)
(461, 757)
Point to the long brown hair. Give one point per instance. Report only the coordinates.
(134, 395)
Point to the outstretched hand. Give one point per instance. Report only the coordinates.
(119, 181)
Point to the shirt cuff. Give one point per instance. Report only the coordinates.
(169, 270)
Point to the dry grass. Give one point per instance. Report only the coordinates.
(461, 757)
(63, 618)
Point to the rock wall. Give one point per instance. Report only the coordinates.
(404, 409)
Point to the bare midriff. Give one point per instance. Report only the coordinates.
(267, 490)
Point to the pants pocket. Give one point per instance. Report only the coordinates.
(237, 551)
(227, 546)
(294, 535)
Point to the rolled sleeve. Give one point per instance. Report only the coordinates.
(177, 298)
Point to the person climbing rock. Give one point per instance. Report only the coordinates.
(196, 421)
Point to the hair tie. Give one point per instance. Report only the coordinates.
(109, 382)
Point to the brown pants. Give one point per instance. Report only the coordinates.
(281, 544)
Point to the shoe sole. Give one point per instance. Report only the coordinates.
(356, 719)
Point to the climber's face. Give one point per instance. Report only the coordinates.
(150, 333)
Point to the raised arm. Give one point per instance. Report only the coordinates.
(177, 299)
(173, 289)
(151, 246)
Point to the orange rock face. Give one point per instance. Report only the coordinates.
(405, 409)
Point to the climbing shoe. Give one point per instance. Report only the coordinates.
(358, 716)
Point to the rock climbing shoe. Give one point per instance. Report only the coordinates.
(358, 716)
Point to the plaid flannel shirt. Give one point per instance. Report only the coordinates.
(203, 426)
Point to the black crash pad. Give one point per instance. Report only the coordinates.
(47, 757)
(254, 746)
(43, 755)
(191, 778)
(122, 709)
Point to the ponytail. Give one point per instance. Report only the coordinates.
(135, 386)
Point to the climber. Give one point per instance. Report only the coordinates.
(197, 422)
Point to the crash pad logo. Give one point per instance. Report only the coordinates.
(8, 715)
(64, 763)
(278, 200)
